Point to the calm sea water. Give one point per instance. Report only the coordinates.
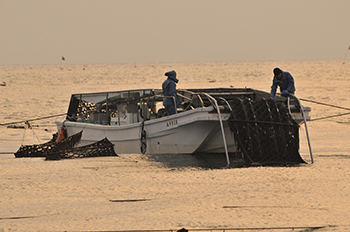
(180, 191)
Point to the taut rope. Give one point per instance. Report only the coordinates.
(325, 104)
(35, 119)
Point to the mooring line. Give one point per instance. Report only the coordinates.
(332, 116)
(35, 119)
(325, 104)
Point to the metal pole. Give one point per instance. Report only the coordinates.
(175, 104)
(306, 130)
(222, 127)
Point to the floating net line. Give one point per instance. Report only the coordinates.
(39, 150)
(101, 148)
(265, 132)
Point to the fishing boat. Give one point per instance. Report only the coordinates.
(238, 122)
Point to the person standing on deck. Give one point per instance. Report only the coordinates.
(284, 80)
(169, 89)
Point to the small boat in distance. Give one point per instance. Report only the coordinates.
(240, 122)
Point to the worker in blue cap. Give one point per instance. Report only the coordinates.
(169, 90)
(284, 80)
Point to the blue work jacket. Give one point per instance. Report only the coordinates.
(169, 89)
(286, 83)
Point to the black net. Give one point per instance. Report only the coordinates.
(39, 150)
(265, 132)
(101, 148)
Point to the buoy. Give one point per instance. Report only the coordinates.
(62, 134)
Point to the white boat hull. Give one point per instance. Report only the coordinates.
(195, 131)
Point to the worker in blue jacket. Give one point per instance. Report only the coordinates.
(169, 89)
(284, 80)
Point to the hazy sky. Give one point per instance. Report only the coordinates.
(131, 31)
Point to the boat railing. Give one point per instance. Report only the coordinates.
(304, 118)
(200, 99)
(194, 95)
(183, 96)
(188, 100)
(223, 99)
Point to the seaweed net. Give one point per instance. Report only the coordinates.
(101, 148)
(265, 132)
(39, 150)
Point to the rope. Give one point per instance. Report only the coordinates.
(325, 104)
(332, 116)
(35, 119)
(320, 103)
